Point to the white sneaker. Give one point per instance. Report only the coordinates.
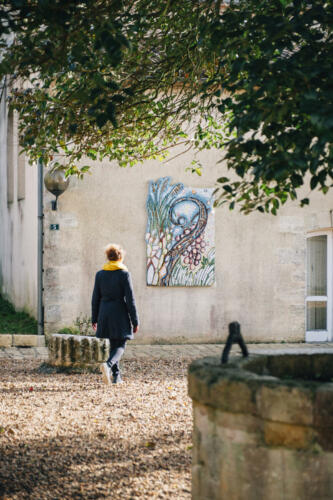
(105, 369)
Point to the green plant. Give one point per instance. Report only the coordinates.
(12, 321)
(103, 79)
(69, 330)
(82, 326)
(128, 80)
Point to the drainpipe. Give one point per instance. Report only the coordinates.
(40, 306)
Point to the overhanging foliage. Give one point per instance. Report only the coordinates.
(127, 80)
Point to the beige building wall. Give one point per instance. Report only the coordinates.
(260, 259)
(18, 218)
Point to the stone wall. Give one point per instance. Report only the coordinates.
(19, 340)
(261, 437)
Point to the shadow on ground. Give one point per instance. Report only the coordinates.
(71, 437)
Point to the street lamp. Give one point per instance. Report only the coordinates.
(56, 182)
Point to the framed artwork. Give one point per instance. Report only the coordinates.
(180, 235)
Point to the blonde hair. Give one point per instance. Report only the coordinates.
(114, 252)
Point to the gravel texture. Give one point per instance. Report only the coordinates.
(69, 436)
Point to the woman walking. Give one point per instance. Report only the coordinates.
(114, 314)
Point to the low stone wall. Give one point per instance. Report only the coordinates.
(21, 340)
(263, 428)
(77, 351)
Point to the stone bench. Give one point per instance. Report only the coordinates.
(263, 427)
(77, 351)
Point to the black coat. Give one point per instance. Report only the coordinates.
(113, 305)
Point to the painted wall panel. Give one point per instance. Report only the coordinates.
(180, 235)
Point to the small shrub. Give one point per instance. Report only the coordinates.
(70, 330)
(82, 326)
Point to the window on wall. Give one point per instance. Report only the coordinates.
(319, 287)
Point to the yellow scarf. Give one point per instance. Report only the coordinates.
(114, 265)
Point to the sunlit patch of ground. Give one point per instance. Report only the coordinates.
(70, 436)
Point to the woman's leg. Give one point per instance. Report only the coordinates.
(117, 349)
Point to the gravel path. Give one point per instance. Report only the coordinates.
(71, 437)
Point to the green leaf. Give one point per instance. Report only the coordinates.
(314, 181)
(101, 119)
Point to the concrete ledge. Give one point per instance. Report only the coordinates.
(20, 340)
(5, 340)
(28, 340)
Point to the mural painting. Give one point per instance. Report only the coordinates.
(180, 235)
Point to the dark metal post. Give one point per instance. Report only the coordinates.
(40, 307)
(234, 337)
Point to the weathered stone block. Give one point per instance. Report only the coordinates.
(287, 404)
(28, 340)
(234, 395)
(291, 436)
(290, 366)
(323, 367)
(325, 439)
(65, 352)
(77, 351)
(95, 351)
(86, 350)
(279, 450)
(57, 348)
(258, 365)
(205, 423)
(217, 388)
(324, 406)
(41, 340)
(305, 474)
(5, 340)
(247, 474)
(241, 428)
